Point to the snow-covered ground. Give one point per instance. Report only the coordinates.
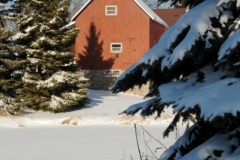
(103, 110)
(94, 132)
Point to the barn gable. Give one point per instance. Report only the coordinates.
(140, 3)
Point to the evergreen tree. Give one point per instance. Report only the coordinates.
(11, 64)
(51, 81)
(195, 70)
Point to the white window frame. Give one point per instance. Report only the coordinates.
(116, 43)
(109, 14)
(112, 73)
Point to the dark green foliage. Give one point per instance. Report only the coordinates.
(182, 3)
(195, 71)
(12, 63)
(51, 72)
(218, 153)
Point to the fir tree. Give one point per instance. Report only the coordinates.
(195, 70)
(11, 64)
(51, 81)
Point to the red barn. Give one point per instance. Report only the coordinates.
(114, 34)
(170, 16)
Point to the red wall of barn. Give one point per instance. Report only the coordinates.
(156, 31)
(131, 27)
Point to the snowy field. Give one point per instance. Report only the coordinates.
(95, 132)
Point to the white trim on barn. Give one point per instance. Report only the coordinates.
(150, 12)
(111, 10)
(80, 10)
(116, 47)
(140, 3)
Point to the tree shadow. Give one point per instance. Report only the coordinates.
(91, 57)
(92, 63)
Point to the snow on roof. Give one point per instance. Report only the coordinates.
(150, 12)
(80, 10)
(141, 4)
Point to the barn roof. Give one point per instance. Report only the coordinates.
(140, 3)
(80, 10)
(170, 16)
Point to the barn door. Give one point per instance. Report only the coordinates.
(131, 58)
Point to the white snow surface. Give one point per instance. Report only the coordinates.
(229, 44)
(225, 16)
(6, 6)
(95, 142)
(217, 142)
(234, 155)
(17, 36)
(103, 110)
(221, 2)
(39, 2)
(53, 20)
(30, 28)
(214, 96)
(198, 19)
(213, 99)
(94, 132)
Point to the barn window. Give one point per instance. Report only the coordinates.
(116, 47)
(112, 73)
(115, 73)
(111, 10)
